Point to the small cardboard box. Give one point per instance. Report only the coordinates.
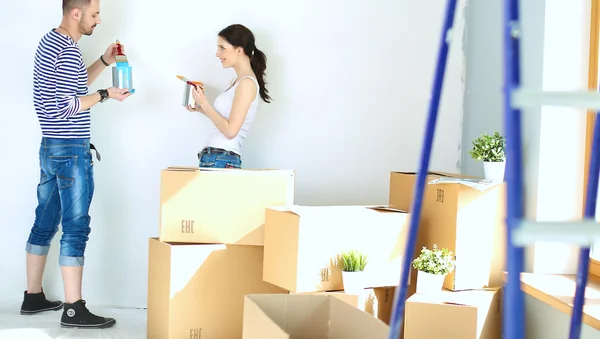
(307, 316)
(458, 315)
(303, 244)
(220, 206)
(197, 290)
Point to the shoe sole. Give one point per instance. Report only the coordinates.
(55, 308)
(107, 324)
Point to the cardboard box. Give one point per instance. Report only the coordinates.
(307, 316)
(303, 244)
(376, 301)
(453, 215)
(197, 291)
(401, 197)
(458, 315)
(402, 188)
(220, 205)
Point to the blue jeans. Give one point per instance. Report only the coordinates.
(218, 158)
(65, 192)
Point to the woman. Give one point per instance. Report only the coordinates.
(234, 110)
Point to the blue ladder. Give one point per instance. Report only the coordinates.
(520, 232)
(397, 315)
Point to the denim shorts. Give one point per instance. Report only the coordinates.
(64, 195)
(219, 158)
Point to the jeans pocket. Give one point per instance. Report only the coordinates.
(66, 167)
(208, 160)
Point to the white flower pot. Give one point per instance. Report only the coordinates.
(354, 282)
(494, 171)
(429, 283)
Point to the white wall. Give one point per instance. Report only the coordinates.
(351, 84)
(555, 44)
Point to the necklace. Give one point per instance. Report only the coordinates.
(66, 30)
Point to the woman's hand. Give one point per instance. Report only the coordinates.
(199, 96)
(195, 108)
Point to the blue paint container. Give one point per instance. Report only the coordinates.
(122, 76)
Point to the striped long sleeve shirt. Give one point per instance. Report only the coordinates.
(59, 79)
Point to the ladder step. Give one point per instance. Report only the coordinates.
(528, 98)
(583, 233)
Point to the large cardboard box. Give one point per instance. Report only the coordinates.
(303, 244)
(197, 291)
(453, 215)
(307, 316)
(376, 301)
(458, 315)
(401, 196)
(202, 205)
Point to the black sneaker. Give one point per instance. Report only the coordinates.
(77, 315)
(36, 303)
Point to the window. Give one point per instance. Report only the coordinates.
(593, 83)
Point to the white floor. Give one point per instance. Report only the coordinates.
(131, 324)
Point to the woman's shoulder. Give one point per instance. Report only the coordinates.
(248, 77)
(248, 81)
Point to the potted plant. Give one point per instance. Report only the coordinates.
(353, 267)
(433, 266)
(490, 149)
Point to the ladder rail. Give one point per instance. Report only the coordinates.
(397, 315)
(584, 252)
(514, 300)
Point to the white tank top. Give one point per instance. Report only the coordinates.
(223, 104)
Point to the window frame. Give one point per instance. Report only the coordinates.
(594, 266)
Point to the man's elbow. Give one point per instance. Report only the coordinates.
(69, 110)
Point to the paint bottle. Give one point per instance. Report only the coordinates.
(122, 71)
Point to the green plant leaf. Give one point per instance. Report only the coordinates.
(489, 148)
(436, 261)
(353, 261)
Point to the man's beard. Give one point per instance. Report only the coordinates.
(84, 31)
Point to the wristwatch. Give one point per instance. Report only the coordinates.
(103, 95)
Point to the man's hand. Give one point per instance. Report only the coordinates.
(118, 94)
(111, 51)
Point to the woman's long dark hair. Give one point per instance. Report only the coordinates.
(240, 36)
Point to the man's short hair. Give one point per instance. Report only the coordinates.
(68, 5)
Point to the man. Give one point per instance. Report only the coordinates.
(62, 104)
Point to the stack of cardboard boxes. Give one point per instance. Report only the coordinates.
(237, 259)
(235, 254)
(301, 255)
(467, 217)
(209, 254)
